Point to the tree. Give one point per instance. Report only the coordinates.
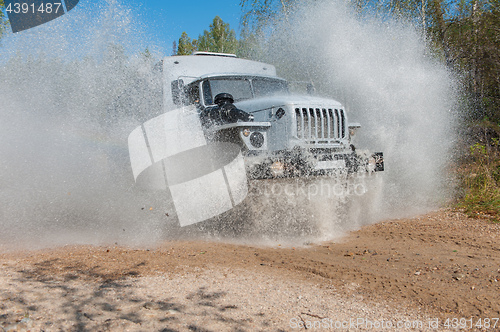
(186, 46)
(259, 14)
(174, 48)
(3, 22)
(220, 38)
(249, 46)
(474, 43)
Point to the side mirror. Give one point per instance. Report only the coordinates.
(178, 94)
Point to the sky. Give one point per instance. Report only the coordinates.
(165, 20)
(168, 19)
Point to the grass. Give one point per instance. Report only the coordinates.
(480, 179)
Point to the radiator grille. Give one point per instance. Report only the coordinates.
(320, 123)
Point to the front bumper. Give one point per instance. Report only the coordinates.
(306, 163)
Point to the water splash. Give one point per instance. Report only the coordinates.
(403, 96)
(73, 89)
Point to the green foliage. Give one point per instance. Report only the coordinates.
(220, 38)
(474, 48)
(259, 14)
(481, 181)
(466, 35)
(186, 46)
(146, 54)
(3, 21)
(249, 46)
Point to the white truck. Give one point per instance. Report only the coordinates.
(280, 134)
(225, 120)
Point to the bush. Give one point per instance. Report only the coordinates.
(480, 180)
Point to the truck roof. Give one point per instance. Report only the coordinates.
(201, 65)
(239, 75)
(215, 54)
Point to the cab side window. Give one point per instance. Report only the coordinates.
(207, 93)
(193, 94)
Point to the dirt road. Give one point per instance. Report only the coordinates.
(407, 274)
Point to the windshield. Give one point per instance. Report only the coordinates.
(268, 87)
(242, 88)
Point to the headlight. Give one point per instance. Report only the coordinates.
(277, 168)
(353, 127)
(372, 164)
(246, 132)
(257, 139)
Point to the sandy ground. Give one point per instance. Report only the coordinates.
(411, 274)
